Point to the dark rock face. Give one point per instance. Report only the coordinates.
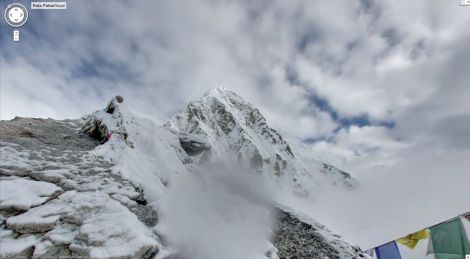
(192, 145)
(296, 239)
(145, 214)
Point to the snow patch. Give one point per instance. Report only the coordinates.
(22, 194)
(92, 223)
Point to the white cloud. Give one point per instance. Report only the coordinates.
(422, 188)
(380, 61)
(390, 61)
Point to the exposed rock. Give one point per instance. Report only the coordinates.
(27, 134)
(235, 128)
(47, 250)
(36, 225)
(101, 214)
(298, 239)
(105, 123)
(193, 145)
(88, 223)
(343, 176)
(21, 247)
(92, 224)
(231, 126)
(145, 214)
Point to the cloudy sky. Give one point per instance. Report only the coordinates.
(368, 85)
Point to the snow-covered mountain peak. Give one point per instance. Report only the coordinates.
(231, 102)
(221, 91)
(235, 128)
(243, 112)
(153, 185)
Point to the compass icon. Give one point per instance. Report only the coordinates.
(16, 15)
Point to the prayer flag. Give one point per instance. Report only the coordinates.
(412, 239)
(448, 240)
(388, 251)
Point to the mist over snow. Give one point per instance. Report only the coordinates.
(377, 88)
(218, 210)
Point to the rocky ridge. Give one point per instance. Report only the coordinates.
(83, 203)
(58, 200)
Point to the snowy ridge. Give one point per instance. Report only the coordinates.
(235, 128)
(173, 190)
(149, 154)
(57, 199)
(307, 158)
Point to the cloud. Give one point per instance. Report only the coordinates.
(421, 188)
(369, 60)
(364, 82)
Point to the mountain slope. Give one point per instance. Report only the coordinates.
(234, 128)
(173, 190)
(59, 200)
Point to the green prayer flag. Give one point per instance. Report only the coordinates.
(449, 241)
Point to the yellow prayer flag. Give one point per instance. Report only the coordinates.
(412, 239)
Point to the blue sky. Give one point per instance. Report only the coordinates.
(354, 79)
(378, 88)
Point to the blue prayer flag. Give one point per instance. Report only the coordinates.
(388, 251)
